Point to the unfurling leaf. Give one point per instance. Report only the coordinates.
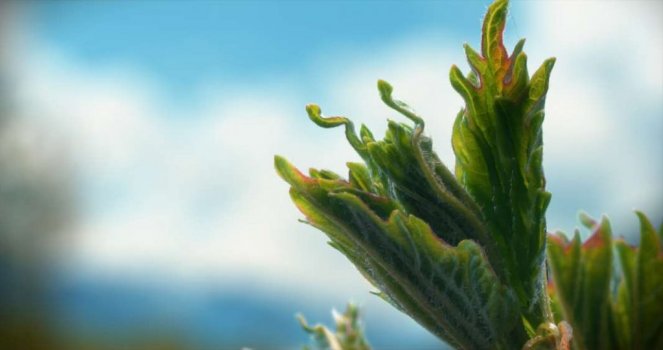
(462, 253)
(497, 140)
(452, 291)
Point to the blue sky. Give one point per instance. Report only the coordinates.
(185, 48)
(171, 113)
(186, 45)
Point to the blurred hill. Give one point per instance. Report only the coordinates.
(116, 314)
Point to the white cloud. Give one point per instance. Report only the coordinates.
(603, 124)
(191, 199)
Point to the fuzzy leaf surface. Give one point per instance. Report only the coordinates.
(498, 145)
(462, 253)
(450, 290)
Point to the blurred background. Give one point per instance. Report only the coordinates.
(138, 204)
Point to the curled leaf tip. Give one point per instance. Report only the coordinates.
(385, 89)
(315, 114)
(312, 108)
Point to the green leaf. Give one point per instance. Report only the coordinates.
(639, 304)
(623, 303)
(610, 306)
(417, 178)
(582, 274)
(452, 291)
(498, 146)
(463, 255)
